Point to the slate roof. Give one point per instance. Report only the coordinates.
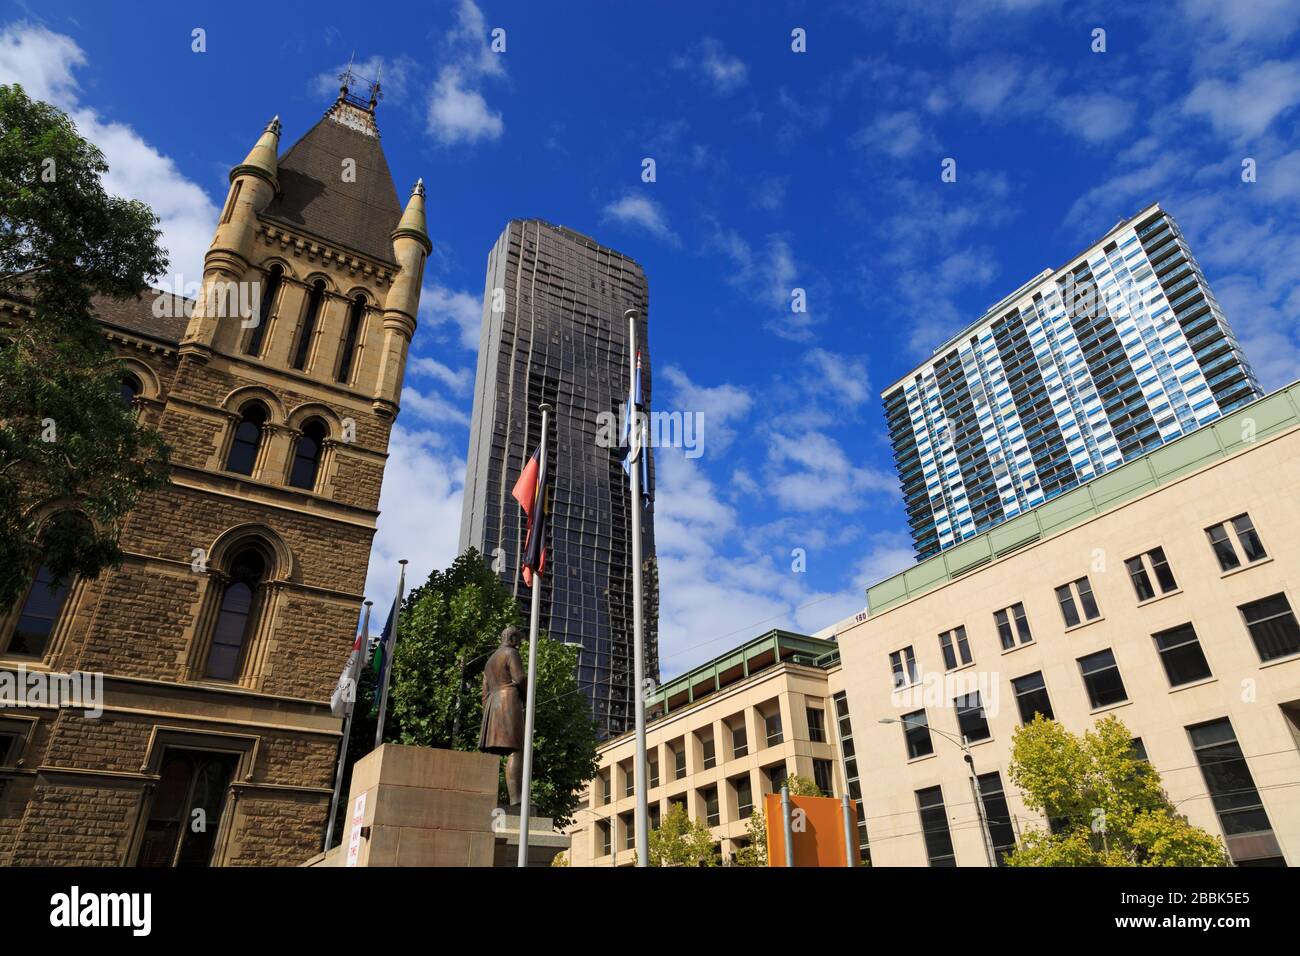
(137, 315)
(359, 216)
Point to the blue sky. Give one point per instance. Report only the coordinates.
(775, 170)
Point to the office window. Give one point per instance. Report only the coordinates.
(1181, 654)
(679, 763)
(997, 815)
(824, 777)
(970, 717)
(775, 776)
(1031, 697)
(772, 723)
(1012, 624)
(1228, 779)
(711, 812)
(306, 454)
(629, 779)
(903, 666)
(1248, 548)
(955, 647)
(1101, 677)
(934, 827)
(816, 725)
(1066, 596)
(744, 796)
(652, 812)
(247, 440)
(739, 740)
(916, 735)
(629, 831)
(652, 763)
(602, 834)
(41, 610)
(1140, 749)
(708, 752)
(604, 787)
(1272, 627)
(1158, 566)
(189, 781)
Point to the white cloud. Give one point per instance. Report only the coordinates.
(1248, 106)
(458, 110)
(432, 408)
(1264, 21)
(840, 377)
(458, 380)
(440, 306)
(1095, 117)
(810, 472)
(458, 113)
(897, 134)
(724, 72)
(642, 212)
(721, 406)
(419, 516)
(43, 62)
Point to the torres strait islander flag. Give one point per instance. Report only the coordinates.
(530, 492)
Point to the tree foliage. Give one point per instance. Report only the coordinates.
(67, 441)
(681, 841)
(755, 852)
(449, 627)
(1107, 803)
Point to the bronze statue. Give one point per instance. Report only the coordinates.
(503, 709)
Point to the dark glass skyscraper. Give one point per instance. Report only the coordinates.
(1079, 370)
(553, 331)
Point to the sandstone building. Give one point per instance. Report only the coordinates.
(223, 632)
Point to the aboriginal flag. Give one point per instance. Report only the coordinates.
(530, 492)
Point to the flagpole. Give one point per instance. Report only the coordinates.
(388, 655)
(638, 635)
(347, 729)
(534, 618)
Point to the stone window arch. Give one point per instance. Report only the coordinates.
(248, 438)
(32, 627)
(308, 451)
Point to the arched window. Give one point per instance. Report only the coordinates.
(39, 615)
(130, 389)
(269, 290)
(236, 617)
(356, 315)
(247, 440)
(306, 454)
(315, 302)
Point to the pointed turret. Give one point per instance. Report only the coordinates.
(413, 222)
(411, 246)
(263, 158)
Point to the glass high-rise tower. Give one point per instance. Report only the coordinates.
(553, 331)
(1082, 368)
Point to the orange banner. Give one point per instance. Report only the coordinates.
(817, 824)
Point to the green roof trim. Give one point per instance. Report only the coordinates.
(785, 645)
(1276, 412)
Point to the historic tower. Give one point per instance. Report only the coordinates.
(221, 636)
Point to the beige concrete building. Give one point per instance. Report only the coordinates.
(722, 736)
(1163, 592)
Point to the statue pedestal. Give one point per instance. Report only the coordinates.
(417, 806)
(543, 842)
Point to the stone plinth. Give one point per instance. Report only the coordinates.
(417, 806)
(543, 842)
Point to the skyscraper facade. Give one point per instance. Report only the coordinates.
(553, 331)
(1079, 370)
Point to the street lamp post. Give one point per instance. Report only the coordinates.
(974, 780)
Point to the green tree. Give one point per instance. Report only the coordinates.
(67, 441)
(1107, 803)
(449, 627)
(755, 852)
(681, 841)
